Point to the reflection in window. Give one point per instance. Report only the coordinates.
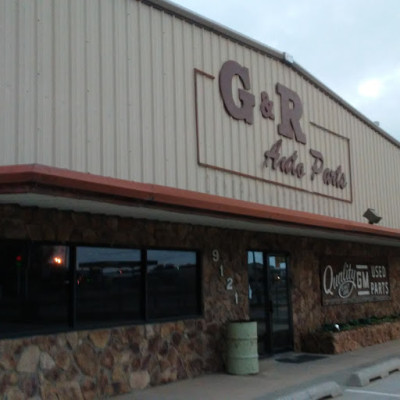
(279, 295)
(33, 286)
(172, 282)
(42, 290)
(255, 264)
(108, 284)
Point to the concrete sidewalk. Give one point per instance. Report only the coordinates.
(279, 375)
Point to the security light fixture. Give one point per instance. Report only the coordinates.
(372, 216)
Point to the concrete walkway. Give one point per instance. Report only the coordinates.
(276, 378)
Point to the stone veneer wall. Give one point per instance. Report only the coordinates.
(98, 363)
(308, 312)
(101, 363)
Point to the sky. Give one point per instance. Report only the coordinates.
(351, 46)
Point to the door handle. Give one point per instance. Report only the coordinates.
(271, 307)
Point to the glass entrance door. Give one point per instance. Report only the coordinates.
(269, 300)
(281, 333)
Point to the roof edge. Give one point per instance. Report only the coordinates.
(231, 34)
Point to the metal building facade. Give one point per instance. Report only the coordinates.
(162, 176)
(129, 89)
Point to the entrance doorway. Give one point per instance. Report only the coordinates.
(269, 300)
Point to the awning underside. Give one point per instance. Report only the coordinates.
(47, 187)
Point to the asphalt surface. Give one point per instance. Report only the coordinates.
(291, 376)
(383, 389)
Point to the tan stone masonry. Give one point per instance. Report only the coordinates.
(98, 363)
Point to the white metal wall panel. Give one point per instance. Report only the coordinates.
(8, 82)
(108, 87)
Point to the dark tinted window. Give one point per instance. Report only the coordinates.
(41, 290)
(109, 284)
(34, 286)
(172, 283)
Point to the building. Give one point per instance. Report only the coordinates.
(162, 176)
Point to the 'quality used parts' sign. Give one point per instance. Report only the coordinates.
(348, 281)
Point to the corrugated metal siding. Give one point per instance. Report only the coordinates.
(108, 87)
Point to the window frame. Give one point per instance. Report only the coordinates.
(198, 284)
(72, 301)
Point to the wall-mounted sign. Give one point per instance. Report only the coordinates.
(258, 128)
(345, 280)
(291, 110)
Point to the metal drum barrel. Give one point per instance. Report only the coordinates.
(242, 355)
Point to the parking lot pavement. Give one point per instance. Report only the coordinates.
(279, 379)
(385, 386)
(382, 389)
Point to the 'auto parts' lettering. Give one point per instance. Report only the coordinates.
(290, 165)
(241, 106)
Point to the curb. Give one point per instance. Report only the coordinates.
(379, 371)
(321, 391)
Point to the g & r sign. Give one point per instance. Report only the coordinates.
(264, 132)
(291, 111)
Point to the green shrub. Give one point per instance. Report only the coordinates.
(355, 323)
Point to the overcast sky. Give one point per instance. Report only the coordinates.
(352, 46)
